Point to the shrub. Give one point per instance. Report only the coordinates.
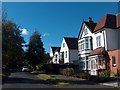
(84, 75)
(114, 74)
(67, 71)
(38, 67)
(93, 78)
(104, 73)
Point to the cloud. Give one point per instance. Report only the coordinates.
(45, 34)
(24, 31)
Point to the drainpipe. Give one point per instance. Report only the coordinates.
(104, 48)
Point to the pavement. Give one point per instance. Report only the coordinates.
(111, 83)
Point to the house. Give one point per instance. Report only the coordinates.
(106, 35)
(105, 45)
(69, 50)
(85, 42)
(55, 55)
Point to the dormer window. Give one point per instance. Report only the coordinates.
(85, 31)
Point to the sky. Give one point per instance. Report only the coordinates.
(55, 20)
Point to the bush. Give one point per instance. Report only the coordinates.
(38, 67)
(67, 71)
(84, 75)
(93, 78)
(104, 74)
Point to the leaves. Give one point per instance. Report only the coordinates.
(12, 52)
(35, 52)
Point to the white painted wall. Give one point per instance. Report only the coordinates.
(51, 52)
(64, 49)
(58, 57)
(89, 32)
(84, 53)
(94, 39)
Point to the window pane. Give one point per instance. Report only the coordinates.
(66, 54)
(98, 41)
(86, 45)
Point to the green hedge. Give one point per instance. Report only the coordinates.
(83, 75)
(67, 71)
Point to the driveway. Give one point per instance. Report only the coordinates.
(24, 80)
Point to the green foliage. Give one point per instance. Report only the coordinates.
(12, 52)
(38, 67)
(35, 52)
(83, 75)
(67, 71)
(47, 58)
(104, 73)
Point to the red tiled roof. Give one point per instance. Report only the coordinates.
(118, 20)
(108, 21)
(97, 51)
(71, 42)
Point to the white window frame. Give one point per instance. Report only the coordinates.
(98, 41)
(86, 43)
(85, 31)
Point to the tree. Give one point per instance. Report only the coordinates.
(12, 52)
(35, 52)
(47, 58)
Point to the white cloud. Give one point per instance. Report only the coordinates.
(24, 31)
(45, 34)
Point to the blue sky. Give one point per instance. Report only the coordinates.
(55, 20)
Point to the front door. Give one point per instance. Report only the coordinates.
(93, 67)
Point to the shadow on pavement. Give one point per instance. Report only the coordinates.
(13, 80)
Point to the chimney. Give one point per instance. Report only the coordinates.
(90, 19)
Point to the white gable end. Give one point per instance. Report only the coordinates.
(85, 32)
(64, 49)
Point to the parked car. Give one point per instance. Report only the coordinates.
(26, 69)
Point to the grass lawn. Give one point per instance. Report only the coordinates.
(53, 80)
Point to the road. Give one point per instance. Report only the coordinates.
(27, 80)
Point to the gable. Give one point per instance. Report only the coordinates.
(85, 31)
(65, 47)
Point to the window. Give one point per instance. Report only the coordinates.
(63, 44)
(82, 65)
(98, 41)
(113, 61)
(86, 43)
(82, 58)
(85, 31)
(88, 64)
(82, 45)
(93, 64)
(65, 54)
